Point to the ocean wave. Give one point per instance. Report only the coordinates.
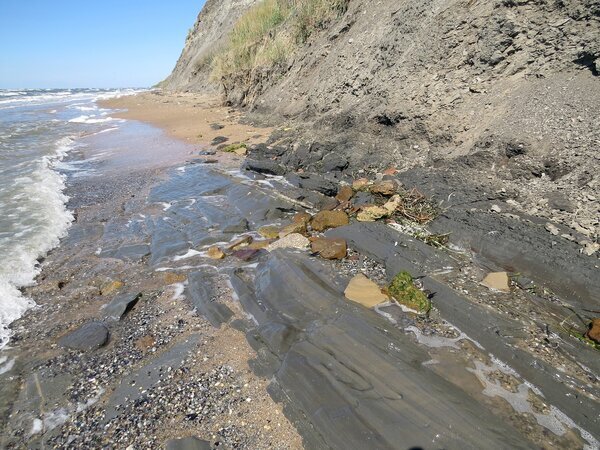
(91, 119)
(45, 203)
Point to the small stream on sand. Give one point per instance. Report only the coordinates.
(136, 262)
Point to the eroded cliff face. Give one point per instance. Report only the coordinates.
(505, 90)
(209, 33)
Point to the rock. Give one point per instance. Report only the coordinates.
(121, 305)
(333, 162)
(303, 217)
(593, 332)
(188, 443)
(392, 204)
(145, 342)
(496, 209)
(364, 291)
(241, 242)
(330, 248)
(246, 254)
(404, 291)
(269, 232)
(172, 278)
(294, 227)
(263, 166)
(345, 193)
(216, 126)
(371, 213)
(219, 140)
(497, 281)
(385, 187)
(215, 253)
(259, 245)
(363, 198)
(317, 183)
(360, 185)
(590, 248)
(207, 153)
(390, 171)
(558, 201)
(325, 220)
(293, 240)
(240, 226)
(111, 287)
(90, 336)
(552, 229)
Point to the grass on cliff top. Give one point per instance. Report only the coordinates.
(268, 33)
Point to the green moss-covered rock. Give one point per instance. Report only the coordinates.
(404, 291)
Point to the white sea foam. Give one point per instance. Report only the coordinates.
(91, 119)
(45, 203)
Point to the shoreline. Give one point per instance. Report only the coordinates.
(276, 322)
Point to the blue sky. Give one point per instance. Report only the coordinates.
(104, 43)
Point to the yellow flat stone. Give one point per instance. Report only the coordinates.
(497, 281)
(364, 291)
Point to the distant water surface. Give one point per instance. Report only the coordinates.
(38, 129)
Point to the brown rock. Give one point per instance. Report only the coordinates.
(390, 171)
(344, 194)
(258, 245)
(329, 219)
(302, 217)
(215, 253)
(385, 187)
(295, 227)
(371, 213)
(246, 254)
(330, 248)
(269, 232)
(497, 281)
(360, 185)
(172, 278)
(594, 331)
(243, 241)
(364, 291)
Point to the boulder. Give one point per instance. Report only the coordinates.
(330, 248)
(325, 220)
(215, 253)
(219, 140)
(360, 185)
(345, 193)
(263, 166)
(294, 227)
(385, 187)
(365, 292)
(89, 336)
(593, 332)
(317, 183)
(121, 305)
(239, 226)
(371, 213)
(334, 163)
(269, 232)
(246, 254)
(303, 217)
(293, 240)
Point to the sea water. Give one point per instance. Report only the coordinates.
(38, 129)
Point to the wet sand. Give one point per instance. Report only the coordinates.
(201, 347)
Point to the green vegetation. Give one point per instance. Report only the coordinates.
(404, 291)
(268, 33)
(233, 147)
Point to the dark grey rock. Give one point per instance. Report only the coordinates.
(201, 293)
(263, 166)
(558, 200)
(239, 226)
(90, 336)
(334, 162)
(318, 183)
(219, 140)
(188, 443)
(207, 153)
(216, 126)
(121, 305)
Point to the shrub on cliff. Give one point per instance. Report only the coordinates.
(268, 33)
